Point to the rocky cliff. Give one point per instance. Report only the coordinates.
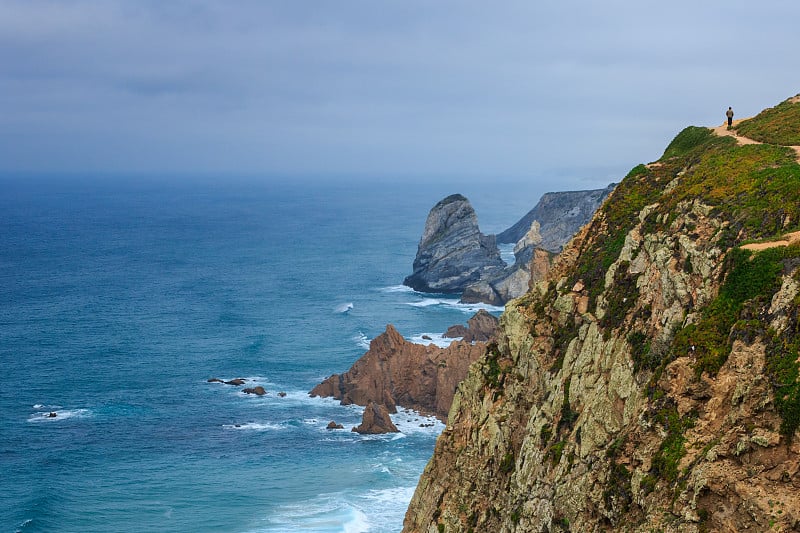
(452, 251)
(650, 382)
(559, 216)
(395, 371)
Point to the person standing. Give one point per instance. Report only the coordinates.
(729, 114)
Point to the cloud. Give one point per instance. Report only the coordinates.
(400, 88)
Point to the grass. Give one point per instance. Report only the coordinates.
(776, 125)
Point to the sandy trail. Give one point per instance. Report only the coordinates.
(786, 240)
(723, 130)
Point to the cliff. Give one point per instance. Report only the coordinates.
(559, 216)
(650, 382)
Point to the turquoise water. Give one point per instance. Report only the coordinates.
(119, 299)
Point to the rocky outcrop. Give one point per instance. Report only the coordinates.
(395, 372)
(531, 265)
(454, 256)
(650, 382)
(560, 215)
(452, 251)
(481, 327)
(376, 421)
(258, 390)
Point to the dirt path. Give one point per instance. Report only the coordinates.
(723, 130)
(786, 240)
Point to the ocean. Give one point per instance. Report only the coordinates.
(120, 298)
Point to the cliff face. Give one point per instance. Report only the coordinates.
(559, 215)
(650, 383)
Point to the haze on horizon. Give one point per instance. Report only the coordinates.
(355, 88)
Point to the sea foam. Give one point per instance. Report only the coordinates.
(61, 414)
(450, 303)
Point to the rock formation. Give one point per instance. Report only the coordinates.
(650, 382)
(395, 372)
(375, 421)
(452, 251)
(454, 256)
(481, 327)
(560, 215)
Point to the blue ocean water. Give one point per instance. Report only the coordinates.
(120, 298)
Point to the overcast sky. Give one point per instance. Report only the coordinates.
(417, 89)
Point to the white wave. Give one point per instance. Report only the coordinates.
(326, 513)
(397, 288)
(449, 303)
(343, 308)
(409, 422)
(255, 426)
(432, 338)
(55, 415)
(390, 496)
(362, 340)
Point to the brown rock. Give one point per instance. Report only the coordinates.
(456, 331)
(238, 382)
(375, 421)
(481, 327)
(215, 380)
(258, 391)
(397, 372)
(334, 425)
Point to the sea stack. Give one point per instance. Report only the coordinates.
(452, 251)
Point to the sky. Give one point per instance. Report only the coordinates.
(504, 90)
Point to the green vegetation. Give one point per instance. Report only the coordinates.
(556, 451)
(776, 125)
(507, 464)
(492, 372)
(546, 433)
(687, 140)
(783, 352)
(620, 298)
(750, 280)
(618, 496)
(641, 354)
(568, 416)
(665, 462)
(562, 336)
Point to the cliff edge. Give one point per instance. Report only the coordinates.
(650, 382)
